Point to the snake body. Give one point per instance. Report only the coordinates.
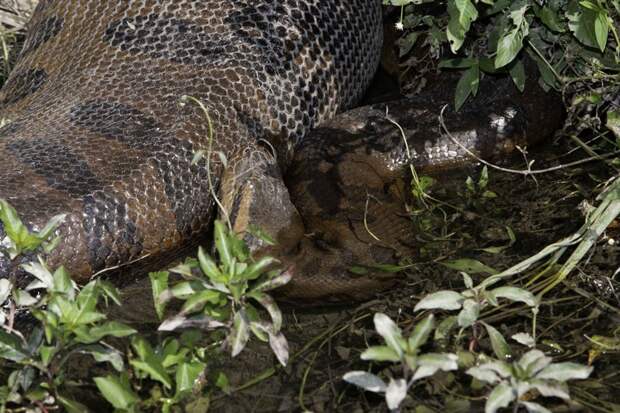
(133, 117)
(97, 130)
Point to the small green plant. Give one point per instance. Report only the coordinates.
(533, 371)
(472, 301)
(477, 193)
(20, 239)
(69, 323)
(223, 295)
(407, 352)
(570, 40)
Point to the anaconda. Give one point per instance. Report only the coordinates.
(99, 131)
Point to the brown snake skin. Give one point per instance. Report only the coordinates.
(98, 130)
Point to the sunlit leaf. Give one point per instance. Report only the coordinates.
(389, 331)
(500, 397)
(366, 381)
(565, 371)
(118, 393)
(441, 300)
(395, 393)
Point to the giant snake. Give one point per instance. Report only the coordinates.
(99, 130)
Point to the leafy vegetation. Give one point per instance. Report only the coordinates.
(574, 43)
(68, 323)
(456, 336)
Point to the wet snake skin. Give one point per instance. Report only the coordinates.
(99, 130)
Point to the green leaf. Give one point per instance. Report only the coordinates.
(240, 333)
(209, 267)
(142, 347)
(15, 229)
(469, 314)
(517, 73)
(533, 362)
(421, 333)
(159, 284)
(467, 85)
(197, 301)
(500, 397)
(116, 391)
(499, 344)
(389, 331)
(365, 380)
(272, 308)
(470, 266)
(63, 282)
(444, 300)
(41, 272)
(535, 407)
(509, 45)
(105, 355)
(442, 331)
(550, 19)
(601, 30)
(153, 367)
(238, 247)
(430, 363)
(565, 371)
(72, 406)
(258, 268)
(275, 282)
(109, 291)
(50, 227)
(11, 347)
(395, 392)
(582, 23)
(222, 244)
(380, 353)
(485, 375)
(110, 328)
(515, 294)
(187, 374)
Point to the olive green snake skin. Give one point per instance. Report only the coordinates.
(99, 131)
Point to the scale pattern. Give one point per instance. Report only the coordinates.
(98, 131)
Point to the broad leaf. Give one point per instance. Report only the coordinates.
(389, 331)
(117, 392)
(395, 393)
(441, 300)
(366, 381)
(500, 347)
(240, 333)
(500, 397)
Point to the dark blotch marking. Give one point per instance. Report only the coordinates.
(105, 218)
(41, 32)
(172, 157)
(166, 37)
(118, 122)
(22, 84)
(62, 169)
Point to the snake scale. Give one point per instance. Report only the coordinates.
(98, 131)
